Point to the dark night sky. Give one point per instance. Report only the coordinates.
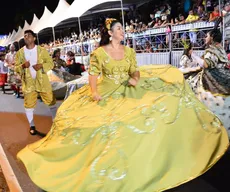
(14, 12)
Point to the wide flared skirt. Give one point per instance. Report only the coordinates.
(147, 138)
(217, 103)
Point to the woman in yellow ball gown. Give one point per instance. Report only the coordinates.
(139, 130)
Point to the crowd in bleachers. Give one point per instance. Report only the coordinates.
(159, 17)
(136, 22)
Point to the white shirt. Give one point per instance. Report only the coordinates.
(31, 55)
(3, 69)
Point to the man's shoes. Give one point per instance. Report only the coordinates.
(33, 130)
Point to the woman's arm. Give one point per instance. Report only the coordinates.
(93, 86)
(135, 75)
(202, 63)
(94, 71)
(93, 83)
(134, 78)
(133, 70)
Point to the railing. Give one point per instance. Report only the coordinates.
(155, 39)
(155, 46)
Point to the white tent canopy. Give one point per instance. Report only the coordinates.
(79, 7)
(11, 40)
(57, 15)
(43, 20)
(34, 22)
(63, 12)
(4, 41)
(21, 34)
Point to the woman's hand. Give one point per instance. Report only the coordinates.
(133, 82)
(96, 96)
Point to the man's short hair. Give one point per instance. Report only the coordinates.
(31, 32)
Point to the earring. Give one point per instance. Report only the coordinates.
(110, 39)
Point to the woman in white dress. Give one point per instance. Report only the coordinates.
(188, 63)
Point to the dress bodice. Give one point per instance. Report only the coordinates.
(113, 70)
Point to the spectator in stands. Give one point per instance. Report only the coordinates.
(192, 17)
(168, 31)
(148, 48)
(158, 22)
(131, 29)
(201, 13)
(215, 14)
(181, 19)
(58, 62)
(127, 27)
(133, 24)
(226, 8)
(164, 13)
(157, 13)
(160, 47)
(152, 21)
(143, 26)
(168, 21)
(176, 21)
(209, 5)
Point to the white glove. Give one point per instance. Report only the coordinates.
(198, 60)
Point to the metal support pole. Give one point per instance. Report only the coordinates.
(123, 19)
(223, 33)
(205, 6)
(80, 32)
(37, 39)
(222, 25)
(134, 42)
(53, 35)
(170, 47)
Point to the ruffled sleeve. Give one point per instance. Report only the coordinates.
(211, 59)
(184, 61)
(95, 66)
(133, 62)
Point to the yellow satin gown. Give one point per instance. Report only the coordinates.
(147, 138)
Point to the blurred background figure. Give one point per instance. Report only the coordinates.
(3, 72)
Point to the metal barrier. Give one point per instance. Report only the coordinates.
(155, 46)
(153, 58)
(155, 40)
